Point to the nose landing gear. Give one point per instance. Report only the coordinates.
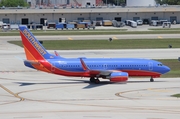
(151, 79)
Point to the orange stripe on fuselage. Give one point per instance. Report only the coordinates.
(36, 66)
(41, 68)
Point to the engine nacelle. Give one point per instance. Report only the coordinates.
(119, 76)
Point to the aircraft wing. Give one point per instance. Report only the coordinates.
(96, 72)
(102, 72)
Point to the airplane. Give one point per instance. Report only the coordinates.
(114, 69)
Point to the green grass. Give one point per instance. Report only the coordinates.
(105, 44)
(90, 32)
(174, 65)
(176, 95)
(165, 29)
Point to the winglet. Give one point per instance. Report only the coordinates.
(56, 53)
(84, 66)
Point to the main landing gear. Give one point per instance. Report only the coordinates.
(94, 80)
(151, 79)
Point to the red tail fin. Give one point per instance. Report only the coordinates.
(33, 48)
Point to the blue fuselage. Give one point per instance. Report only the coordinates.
(133, 66)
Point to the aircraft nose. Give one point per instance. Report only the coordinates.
(166, 69)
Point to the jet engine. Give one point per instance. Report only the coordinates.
(118, 76)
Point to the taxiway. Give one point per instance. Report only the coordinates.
(98, 37)
(29, 94)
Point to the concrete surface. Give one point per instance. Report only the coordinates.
(29, 94)
(97, 37)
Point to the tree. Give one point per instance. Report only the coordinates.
(169, 2)
(13, 3)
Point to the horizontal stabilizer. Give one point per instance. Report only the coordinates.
(31, 62)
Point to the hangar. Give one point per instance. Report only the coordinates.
(26, 16)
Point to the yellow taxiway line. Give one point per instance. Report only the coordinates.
(15, 95)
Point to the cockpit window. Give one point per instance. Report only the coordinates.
(160, 64)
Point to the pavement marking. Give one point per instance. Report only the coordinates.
(138, 94)
(160, 90)
(160, 37)
(70, 38)
(15, 95)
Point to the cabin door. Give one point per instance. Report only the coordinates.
(150, 66)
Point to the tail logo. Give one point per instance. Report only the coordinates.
(34, 42)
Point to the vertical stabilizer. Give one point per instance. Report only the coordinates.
(33, 48)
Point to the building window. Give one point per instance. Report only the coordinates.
(6, 20)
(80, 19)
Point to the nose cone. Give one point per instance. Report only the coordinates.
(166, 69)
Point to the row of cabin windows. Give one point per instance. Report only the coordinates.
(102, 65)
(70, 65)
(90, 65)
(134, 65)
(105, 65)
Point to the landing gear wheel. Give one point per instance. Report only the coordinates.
(92, 80)
(151, 79)
(96, 81)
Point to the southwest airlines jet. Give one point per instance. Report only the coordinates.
(114, 69)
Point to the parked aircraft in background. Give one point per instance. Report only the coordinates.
(114, 69)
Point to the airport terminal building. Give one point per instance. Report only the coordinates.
(27, 16)
(134, 10)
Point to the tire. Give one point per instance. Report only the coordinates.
(96, 81)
